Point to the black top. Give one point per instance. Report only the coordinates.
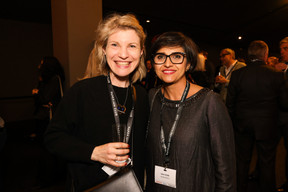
(84, 119)
(49, 91)
(202, 149)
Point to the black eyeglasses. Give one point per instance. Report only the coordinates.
(223, 55)
(175, 58)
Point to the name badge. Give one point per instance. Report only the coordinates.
(165, 176)
(111, 170)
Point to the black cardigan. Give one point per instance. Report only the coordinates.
(84, 120)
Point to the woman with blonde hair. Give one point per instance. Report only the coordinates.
(100, 123)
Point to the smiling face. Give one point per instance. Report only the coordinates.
(123, 53)
(171, 73)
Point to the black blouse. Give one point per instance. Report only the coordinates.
(202, 149)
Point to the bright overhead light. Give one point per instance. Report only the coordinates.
(239, 37)
(147, 21)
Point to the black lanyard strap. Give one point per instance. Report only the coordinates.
(226, 76)
(166, 149)
(116, 115)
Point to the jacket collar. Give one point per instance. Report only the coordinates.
(256, 62)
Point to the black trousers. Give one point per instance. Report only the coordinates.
(266, 150)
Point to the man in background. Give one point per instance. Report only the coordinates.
(229, 64)
(255, 95)
(283, 117)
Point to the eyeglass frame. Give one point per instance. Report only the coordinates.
(154, 55)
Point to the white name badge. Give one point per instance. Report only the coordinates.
(111, 170)
(165, 176)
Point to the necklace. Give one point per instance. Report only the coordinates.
(121, 108)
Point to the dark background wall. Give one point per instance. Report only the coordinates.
(27, 34)
(22, 46)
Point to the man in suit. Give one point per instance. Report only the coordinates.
(283, 118)
(255, 94)
(229, 64)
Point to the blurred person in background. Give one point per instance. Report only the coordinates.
(283, 119)
(203, 74)
(47, 96)
(48, 93)
(229, 64)
(255, 95)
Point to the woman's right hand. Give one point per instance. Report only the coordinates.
(113, 154)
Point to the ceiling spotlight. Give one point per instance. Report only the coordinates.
(239, 37)
(147, 21)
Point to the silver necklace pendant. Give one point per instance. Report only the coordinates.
(121, 109)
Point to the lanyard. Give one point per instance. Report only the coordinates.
(116, 115)
(166, 149)
(226, 75)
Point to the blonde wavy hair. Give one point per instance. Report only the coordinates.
(97, 64)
